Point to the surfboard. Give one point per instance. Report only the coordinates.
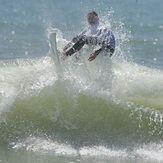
(53, 53)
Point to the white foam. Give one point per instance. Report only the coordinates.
(151, 151)
(148, 152)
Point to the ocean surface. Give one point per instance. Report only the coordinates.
(107, 110)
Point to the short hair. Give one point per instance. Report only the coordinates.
(93, 12)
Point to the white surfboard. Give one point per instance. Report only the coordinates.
(53, 53)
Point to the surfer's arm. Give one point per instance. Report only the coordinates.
(108, 49)
(95, 54)
(75, 39)
(107, 45)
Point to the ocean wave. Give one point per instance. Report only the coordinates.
(81, 108)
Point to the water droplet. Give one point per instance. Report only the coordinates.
(13, 32)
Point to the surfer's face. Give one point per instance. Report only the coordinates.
(92, 19)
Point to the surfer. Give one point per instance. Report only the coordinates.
(96, 35)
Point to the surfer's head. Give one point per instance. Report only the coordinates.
(92, 17)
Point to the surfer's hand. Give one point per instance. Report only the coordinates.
(92, 56)
(62, 54)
